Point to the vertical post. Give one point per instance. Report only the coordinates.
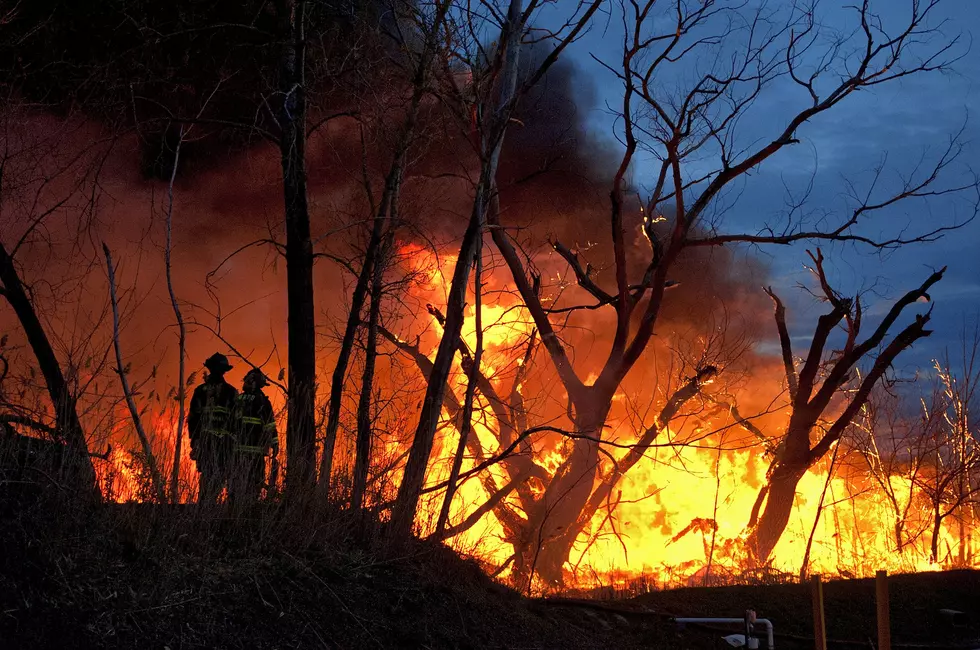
(884, 618)
(819, 623)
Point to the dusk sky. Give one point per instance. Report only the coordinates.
(905, 121)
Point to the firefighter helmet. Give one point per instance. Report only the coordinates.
(217, 362)
(257, 376)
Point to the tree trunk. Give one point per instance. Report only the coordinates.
(300, 434)
(963, 541)
(406, 504)
(549, 542)
(362, 457)
(471, 381)
(777, 510)
(937, 524)
(346, 349)
(67, 424)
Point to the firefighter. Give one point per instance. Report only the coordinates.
(209, 424)
(255, 434)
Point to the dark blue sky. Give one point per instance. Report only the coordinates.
(903, 120)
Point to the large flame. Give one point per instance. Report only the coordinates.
(682, 513)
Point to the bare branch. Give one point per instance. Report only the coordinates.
(785, 344)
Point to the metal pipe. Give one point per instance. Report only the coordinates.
(734, 621)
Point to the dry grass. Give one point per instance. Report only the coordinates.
(270, 576)
(93, 575)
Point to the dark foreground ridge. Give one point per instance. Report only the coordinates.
(161, 577)
(143, 576)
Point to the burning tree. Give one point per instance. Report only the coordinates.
(814, 390)
(886, 438)
(925, 462)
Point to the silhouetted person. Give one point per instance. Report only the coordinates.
(255, 433)
(209, 424)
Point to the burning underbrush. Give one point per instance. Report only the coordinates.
(680, 516)
(138, 575)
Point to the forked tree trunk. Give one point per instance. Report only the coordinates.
(67, 424)
(343, 359)
(301, 333)
(386, 209)
(574, 497)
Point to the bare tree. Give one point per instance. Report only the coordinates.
(737, 52)
(40, 183)
(887, 440)
(514, 501)
(419, 70)
(495, 90)
(67, 427)
(815, 388)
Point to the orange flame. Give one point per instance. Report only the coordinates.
(682, 513)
